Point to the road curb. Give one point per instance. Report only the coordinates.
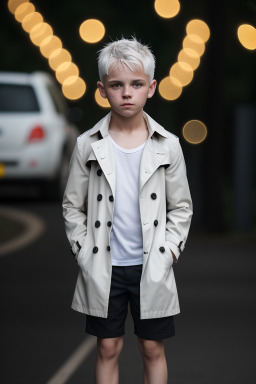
(34, 227)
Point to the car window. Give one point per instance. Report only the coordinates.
(18, 98)
(56, 97)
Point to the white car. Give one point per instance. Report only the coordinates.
(36, 135)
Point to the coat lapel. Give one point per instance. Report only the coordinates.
(154, 155)
(104, 154)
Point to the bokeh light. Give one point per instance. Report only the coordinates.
(167, 8)
(247, 36)
(199, 28)
(170, 88)
(14, 4)
(23, 10)
(66, 70)
(101, 101)
(182, 72)
(73, 87)
(58, 57)
(92, 30)
(40, 32)
(194, 131)
(189, 56)
(31, 20)
(194, 42)
(49, 45)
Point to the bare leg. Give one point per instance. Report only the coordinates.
(106, 368)
(154, 361)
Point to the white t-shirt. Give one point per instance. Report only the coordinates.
(126, 240)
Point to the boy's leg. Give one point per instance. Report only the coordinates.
(106, 368)
(150, 333)
(154, 361)
(110, 330)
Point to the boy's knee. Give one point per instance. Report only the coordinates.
(151, 349)
(109, 348)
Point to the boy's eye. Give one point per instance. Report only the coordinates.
(115, 85)
(137, 85)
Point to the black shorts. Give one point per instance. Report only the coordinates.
(125, 287)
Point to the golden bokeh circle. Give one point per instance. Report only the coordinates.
(247, 36)
(194, 42)
(58, 57)
(167, 8)
(49, 45)
(170, 88)
(66, 70)
(182, 72)
(73, 87)
(14, 4)
(31, 20)
(92, 30)
(23, 10)
(101, 101)
(199, 28)
(194, 131)
(190, 57)
(40, 32)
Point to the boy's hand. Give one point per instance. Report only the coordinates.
(174, 257)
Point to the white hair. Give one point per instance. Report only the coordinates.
(128, 52)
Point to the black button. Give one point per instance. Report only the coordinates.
(153, 195)
(99, 197)
(109, 223)
(99, 172)
(111, 198)
(108, 248)
(155, 223)
(95, 249)
(162, 249)
(97, 223)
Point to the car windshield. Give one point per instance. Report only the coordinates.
(17, 98)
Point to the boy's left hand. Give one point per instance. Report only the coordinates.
(174, 257)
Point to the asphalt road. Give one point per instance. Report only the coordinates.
(215, 331)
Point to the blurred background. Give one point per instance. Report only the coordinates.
(221, 93)
(205, 68)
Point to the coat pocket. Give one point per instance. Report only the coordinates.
(168, 255)
(83, 251)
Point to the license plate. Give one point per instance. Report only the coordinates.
(2, 170)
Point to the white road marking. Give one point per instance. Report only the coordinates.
(34, 227)
(73, 362)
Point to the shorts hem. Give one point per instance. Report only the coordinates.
(158, 337)
(104, 335)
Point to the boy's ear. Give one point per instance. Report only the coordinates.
(100, 85)
(152, 88)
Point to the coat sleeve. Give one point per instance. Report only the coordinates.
(179, 207)
(74, 201)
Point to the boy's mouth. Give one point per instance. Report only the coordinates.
(126, 104)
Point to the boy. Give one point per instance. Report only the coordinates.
(127, 209)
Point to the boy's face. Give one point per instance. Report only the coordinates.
(126, 91)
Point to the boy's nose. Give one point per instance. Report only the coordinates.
(126, 92)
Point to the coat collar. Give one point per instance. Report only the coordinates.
(154, 154)
(103, 126)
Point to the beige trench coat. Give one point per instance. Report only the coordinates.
(165, 209)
